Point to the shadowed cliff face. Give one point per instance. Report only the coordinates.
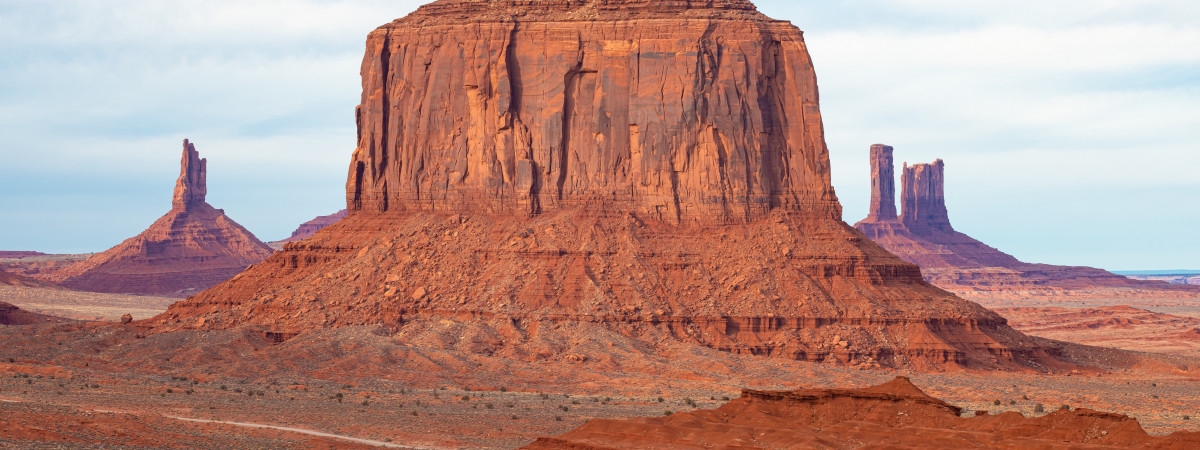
(694, 119)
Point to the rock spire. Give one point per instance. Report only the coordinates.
(883, 184)
(923, 200)
(192, 186)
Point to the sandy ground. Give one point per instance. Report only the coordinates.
(84, 305)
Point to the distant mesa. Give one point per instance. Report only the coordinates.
(12, 279)
(19, 254)
(922, 235)
(191, 248)
(307, 229)
(655, 170)
(896, 414)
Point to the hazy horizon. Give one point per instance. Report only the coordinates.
(1067, 129)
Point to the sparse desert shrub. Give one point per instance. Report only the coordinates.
(689, 402)
(1065, 407)
(574, 402)
(1012, 402)
(668, 412)
(996, 402)
(414, 413)
(365, 403)
(1186, 417)
(725, 398)
(1039, 408)
(238, 390)
(514, 417)
(170, 391)
(488, 405)
(503, 389)
(564, 408)
(224, 387)
(465, 398)
(660, 400)
(558, 418)
(544, 396)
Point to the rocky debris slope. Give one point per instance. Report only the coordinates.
(541, 164)
(307, 229)
(896, 414)
(191, 248)
(922, 235)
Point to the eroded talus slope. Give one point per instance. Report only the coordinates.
(893, 415)
(547, 162)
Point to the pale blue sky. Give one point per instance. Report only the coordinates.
(1068, 128)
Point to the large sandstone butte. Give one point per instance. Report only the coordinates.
(656, 170)
(922, 235)
(896, 414)
(191, 248)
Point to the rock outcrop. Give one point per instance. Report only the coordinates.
(892, 415)
(191, 248)
(307, 229)
(954, 261)
(652, 169)
(12, 315)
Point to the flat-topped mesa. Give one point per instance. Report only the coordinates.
(883, 184)
(191, 187)
(683, 118)
(558, 10)
(923, 200)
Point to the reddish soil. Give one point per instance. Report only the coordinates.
(894, 415)
(1121, 327)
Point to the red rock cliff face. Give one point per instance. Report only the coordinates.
(924, 200)
(307, 229)
(651, 169)
(493, 106)
(191, 248)
(883, 184)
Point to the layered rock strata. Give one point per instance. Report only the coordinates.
(12, 315)
(955, 261)
(656, 170)
(307, 229)
(191, 248)
(892, 415)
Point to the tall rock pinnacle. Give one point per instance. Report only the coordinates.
(923, 200)
(883, 184)
(191, 187)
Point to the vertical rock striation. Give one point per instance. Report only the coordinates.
(923, 200)
(696, 111)
(883, 184)
(192, 185)
(191, 248)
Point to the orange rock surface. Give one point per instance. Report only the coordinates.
(922, 235)
(534, 164)
(12, 279)
(191, 248)
(893, 415)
